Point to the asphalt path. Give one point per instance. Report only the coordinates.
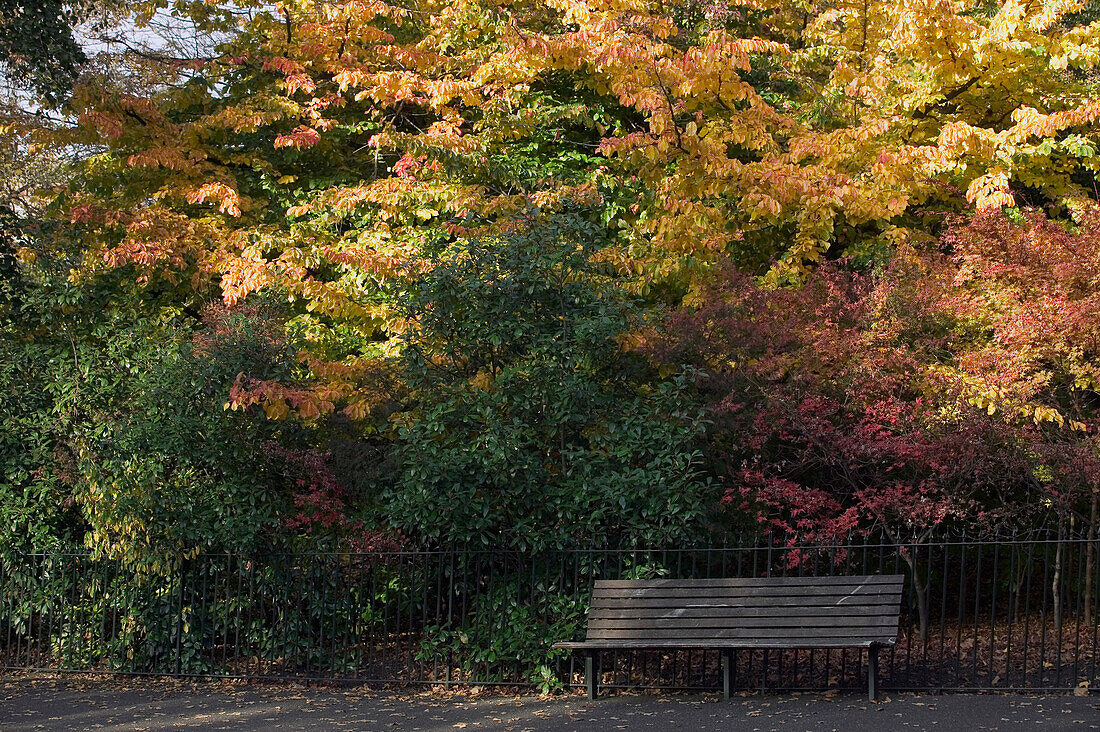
(134, 704)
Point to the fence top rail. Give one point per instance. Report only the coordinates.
(600, 551)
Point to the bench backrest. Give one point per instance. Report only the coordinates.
(736, 612)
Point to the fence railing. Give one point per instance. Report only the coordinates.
(1004, 614)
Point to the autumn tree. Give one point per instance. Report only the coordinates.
(1027, 294)
(328, 154)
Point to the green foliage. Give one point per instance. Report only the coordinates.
(531, 425)
(545, 680)
(506, 627)
(112, 431)
(282, 612)
(10, 277)
(37, 49)
(169, 471)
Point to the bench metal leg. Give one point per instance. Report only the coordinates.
(872, 671)
(592, 673)
(727, 673)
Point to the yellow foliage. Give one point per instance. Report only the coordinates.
(831, 125)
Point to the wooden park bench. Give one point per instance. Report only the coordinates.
(731, 614)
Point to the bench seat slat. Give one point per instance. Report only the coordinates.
(806, 621)
(837, 591)
(739, 613)
(721, 643)
(755, 633)
(831, 601)
(755, 582)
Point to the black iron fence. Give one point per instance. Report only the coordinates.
(995, 614)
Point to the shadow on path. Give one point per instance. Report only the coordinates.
(130, 704)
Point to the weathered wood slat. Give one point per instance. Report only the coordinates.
(757, 599)
(718, 643)
(867, 588)
(756, 582)
(821, 601)
(739, 613)
(754, 633)
(806, 621)
(831, 591)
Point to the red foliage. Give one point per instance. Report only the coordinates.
(300, 137)
(408, 166)
(1036, 285)
(320, 502)
(842, 406)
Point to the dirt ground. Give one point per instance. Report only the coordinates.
(130, 704)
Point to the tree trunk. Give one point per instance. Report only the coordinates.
(1056, 581)
(1090, 557)
(1018, 603)
(920, 587)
